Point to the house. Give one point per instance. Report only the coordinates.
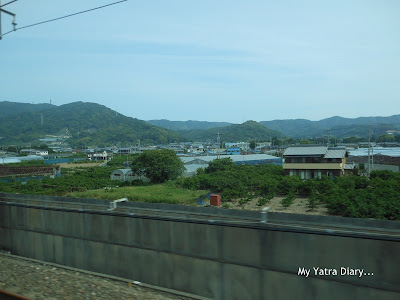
(244, 146)
(98, 155)
(27, 151)
(233, 151)
(124, 151)
(127, 175)
(314, 161)
(42, 152)
(196, 148)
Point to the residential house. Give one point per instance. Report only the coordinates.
(99, 155)
(314, 161)
(233, 151)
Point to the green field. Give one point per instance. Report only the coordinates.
(168, 193)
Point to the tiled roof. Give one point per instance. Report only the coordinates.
(305, 151)
(335, 153)
(313, 151)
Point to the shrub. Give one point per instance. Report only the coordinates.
(288, 200)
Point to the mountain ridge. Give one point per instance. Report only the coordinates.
(89, 122)
(13, 108)
(86, 123)
(303, 128)
(250, 130)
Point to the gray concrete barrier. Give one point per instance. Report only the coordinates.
(217, 259)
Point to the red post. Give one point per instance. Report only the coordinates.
(215, 200)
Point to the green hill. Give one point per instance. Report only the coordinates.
(13, 108)
(249, 130)
(339, 126)
(187, 125)
(298, 128)
(88, 123)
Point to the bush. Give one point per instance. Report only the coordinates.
(288, 200)
(312, 200)
(289, 184)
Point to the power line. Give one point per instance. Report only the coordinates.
(9, 3)
(67, 16)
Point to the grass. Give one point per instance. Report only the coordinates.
(167, 193)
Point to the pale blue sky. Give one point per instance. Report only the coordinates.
(208, 60)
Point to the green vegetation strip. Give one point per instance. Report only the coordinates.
(168, 193)
(350, 196)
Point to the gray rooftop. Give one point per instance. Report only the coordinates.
(123, 171)
(315, 151)
(235, 158)
(194, 167)
(335, 153)
(320, 150)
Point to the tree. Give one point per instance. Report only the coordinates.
(312, 200)
(304, 142)
(158, 165)
(288, 200)
(222, 164)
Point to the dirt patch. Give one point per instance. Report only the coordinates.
(299, 206)
(71, 166)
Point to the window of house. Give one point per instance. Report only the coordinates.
(317, 174)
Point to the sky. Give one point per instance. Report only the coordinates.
(206, 60)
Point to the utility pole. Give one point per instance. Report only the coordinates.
(14, 23)
(219, 143)
(329, 138)
(369, 150)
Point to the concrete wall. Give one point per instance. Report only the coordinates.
(214, 259)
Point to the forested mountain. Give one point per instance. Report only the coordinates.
(88, 123)
(295, 128)
(94, 124)
(299, 128)
(249, 130)
(339, 126)
(13, 108)
(187, 125)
